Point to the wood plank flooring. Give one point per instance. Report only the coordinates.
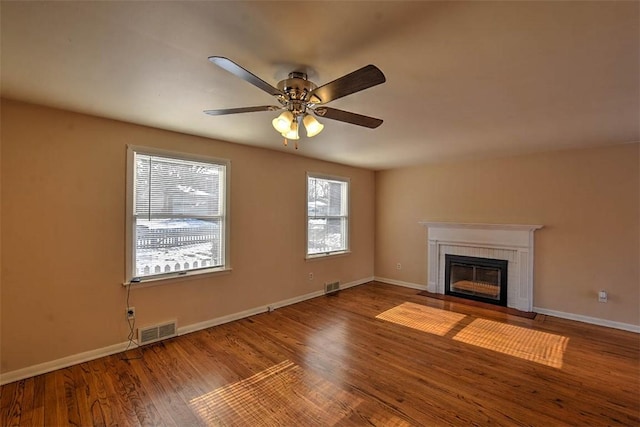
(375, 354)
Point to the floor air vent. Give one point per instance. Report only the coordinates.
(157, 332)
(332, 287)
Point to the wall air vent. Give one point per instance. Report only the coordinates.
(330, 288)
(157, 332)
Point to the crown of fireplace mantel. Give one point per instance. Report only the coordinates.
(519, 235)
(512, 241)
(480, 225)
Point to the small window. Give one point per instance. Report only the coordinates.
(177, 206)
(327, 215)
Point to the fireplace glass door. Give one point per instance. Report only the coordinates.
(482, 279)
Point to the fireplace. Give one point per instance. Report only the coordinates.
(511, 242)
(479, 279)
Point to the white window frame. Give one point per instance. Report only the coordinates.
(347, 249)
(130, 277)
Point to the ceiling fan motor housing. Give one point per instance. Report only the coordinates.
(297, 89)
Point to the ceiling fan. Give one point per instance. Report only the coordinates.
(299, 97)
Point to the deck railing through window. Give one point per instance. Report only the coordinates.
(164, 238)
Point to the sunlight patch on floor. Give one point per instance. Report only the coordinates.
(536, 346)
(283, 394)
(528, 344)
(427, 319)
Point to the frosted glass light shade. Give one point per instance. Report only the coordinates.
(282, 123)
(312, 126)
(292, 132)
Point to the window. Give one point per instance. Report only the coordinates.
(327, 215)
(176, 208)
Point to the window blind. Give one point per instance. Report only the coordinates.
(169, 188)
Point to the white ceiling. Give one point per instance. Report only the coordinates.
(464, 80)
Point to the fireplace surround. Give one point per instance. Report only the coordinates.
(513, 243)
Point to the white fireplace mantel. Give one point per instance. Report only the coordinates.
(513, 242)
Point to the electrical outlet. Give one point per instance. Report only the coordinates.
(310, 276)
(131, 313)
(602, 296)
(398, 266)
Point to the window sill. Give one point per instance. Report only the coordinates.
(156, 281)
(326, 255)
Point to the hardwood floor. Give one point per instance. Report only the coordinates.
(375, 354)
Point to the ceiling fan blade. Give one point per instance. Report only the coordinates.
(356, 81)
(235, 69)
(347, 117)
(225, 111)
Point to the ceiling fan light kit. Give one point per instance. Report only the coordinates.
(299, 97)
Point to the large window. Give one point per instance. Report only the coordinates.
(327, 215)
(176, 214)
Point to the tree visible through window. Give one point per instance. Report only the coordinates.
(327, 215)
(178, 221)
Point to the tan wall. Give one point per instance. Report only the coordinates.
(62, 229)
(587, 200)
(63, 198)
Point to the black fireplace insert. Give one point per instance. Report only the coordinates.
(479, 279)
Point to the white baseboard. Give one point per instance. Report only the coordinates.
(357, 282)
(74, 359)
(587, 319)
(401, 283)
(251, 312)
